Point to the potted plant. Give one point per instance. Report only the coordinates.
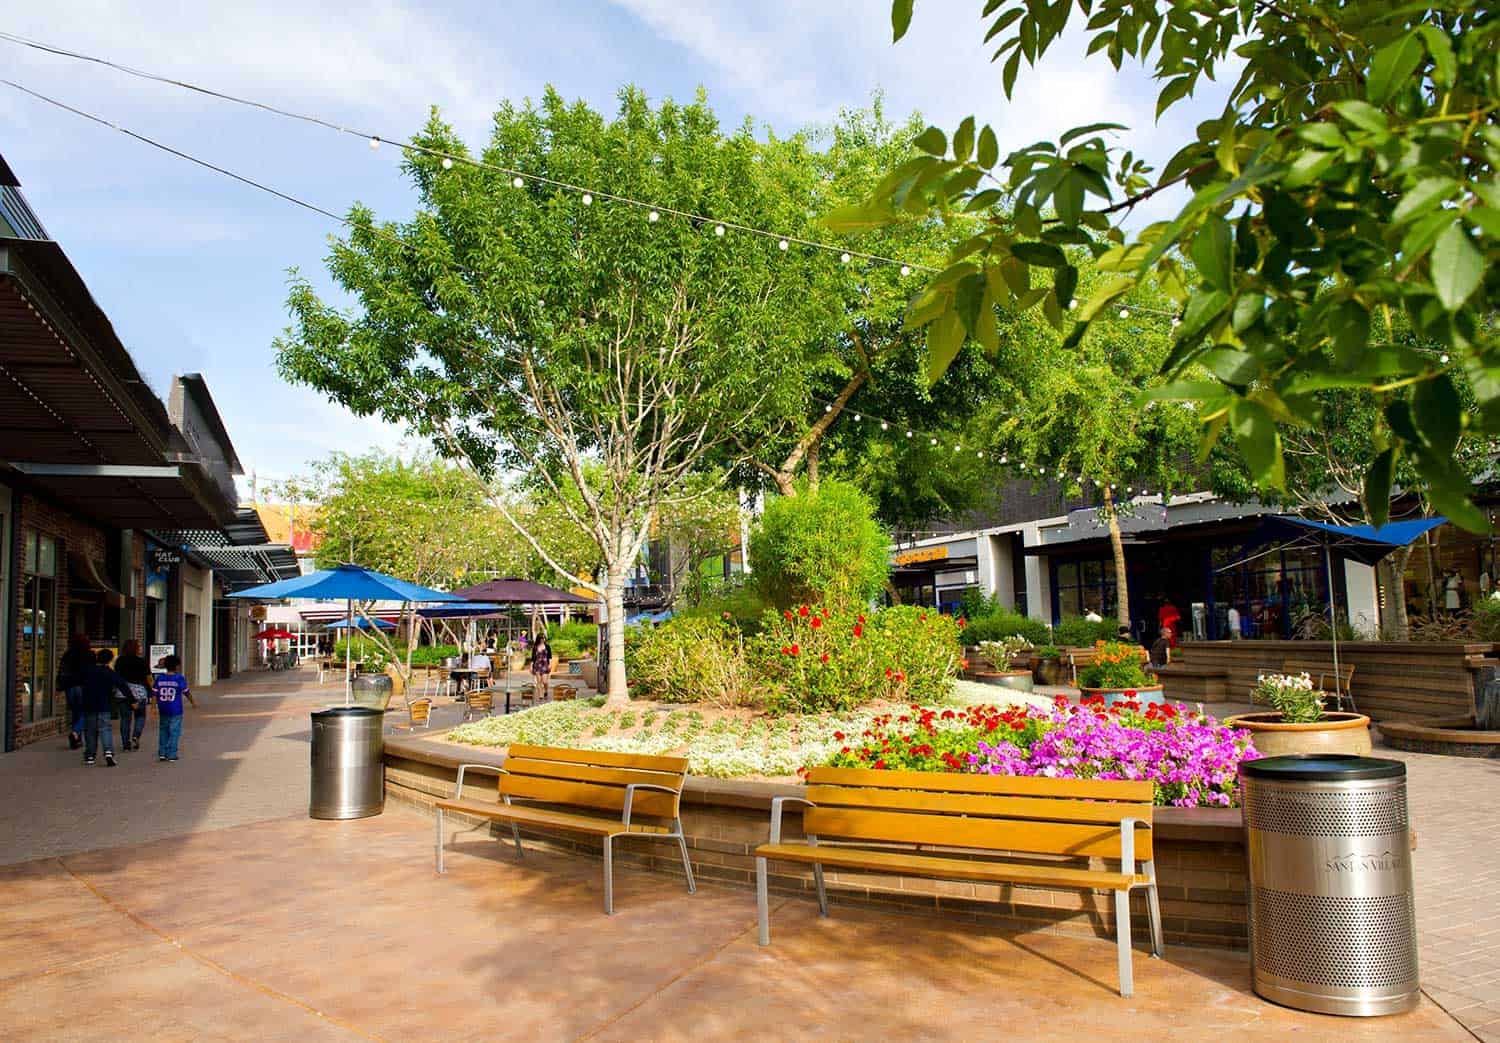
(1297, 722)
(1116, 674)
(1003, 655)
(1047, 664)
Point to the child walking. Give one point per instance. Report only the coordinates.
(171, 690)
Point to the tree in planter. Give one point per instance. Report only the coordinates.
(529, 328)
(423, 520)
(820, 547)
(1350, 177)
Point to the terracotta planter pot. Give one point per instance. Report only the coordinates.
(1049, 671)
(1016, 680)
(1335, 733)
(1146, 693)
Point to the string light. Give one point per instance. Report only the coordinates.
(374, 144)
(447, 163)
(1124, 313)
(588, 199)
(906, 269)
(718, 230)
(783, 245)
(518, 182)
(845, 257)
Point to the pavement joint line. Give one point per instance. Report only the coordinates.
(674, 979)
(215, 965)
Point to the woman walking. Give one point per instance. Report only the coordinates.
(72, 668)
(133, 668)
(541, 663)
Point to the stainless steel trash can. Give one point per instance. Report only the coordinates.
(348, 774)
(1332, 920)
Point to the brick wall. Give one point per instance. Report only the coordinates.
(1200, 858)
(34, 513)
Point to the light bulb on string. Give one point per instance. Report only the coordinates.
(1443, 359)
(719, 230)
(828, 409)
(518, 182)
(783, 245)
(906, 269)
(447, 162)
(844, 258)
(884, 426)
(653, 217)
(588, 200)
(374, 144)
(857, 418)
(934, 441)
(1124, 313)
(1004, 458)
(908, 434)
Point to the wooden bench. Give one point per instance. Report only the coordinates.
(568, 789)
(1193, 683)
(1321, 674)
(864, 812)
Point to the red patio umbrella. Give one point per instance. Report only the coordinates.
(274, 634)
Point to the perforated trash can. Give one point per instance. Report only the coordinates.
(348, 772)
(1332, 920)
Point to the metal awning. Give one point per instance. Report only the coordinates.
(125, 496)
(86, 581)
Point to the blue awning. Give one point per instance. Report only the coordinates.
(1363, 543)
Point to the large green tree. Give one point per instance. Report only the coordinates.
(591, 345)
(1351, 177)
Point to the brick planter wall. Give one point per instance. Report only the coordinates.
(1201, 867)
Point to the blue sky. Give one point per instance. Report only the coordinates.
(192, 267)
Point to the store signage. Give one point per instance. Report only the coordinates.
(157, 654)
(911, 557)
(162, 558)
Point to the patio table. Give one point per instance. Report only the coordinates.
(463, 677)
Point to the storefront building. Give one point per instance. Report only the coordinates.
(93, 469)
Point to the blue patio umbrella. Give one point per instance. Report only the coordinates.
(349, 583)
(363, 623)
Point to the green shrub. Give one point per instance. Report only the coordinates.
(814, 661)
(820, 547)
(1003, 623)
(580, 636)
(1486, 621)
(742, 604)
(974, 603)
(689, 659)
(1116, 665)
(1078, 632)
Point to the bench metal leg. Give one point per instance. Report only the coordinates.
(762, 902)
(1153, 903)
(515, 834)
(818, 881)
(687, 863)
(609, 876)
(439, 845)
(1122, 940)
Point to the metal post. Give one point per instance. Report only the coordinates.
(1333, 623)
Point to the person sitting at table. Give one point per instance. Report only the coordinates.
(480, 664)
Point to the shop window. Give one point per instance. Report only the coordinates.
(39, 631)
(1081, 587)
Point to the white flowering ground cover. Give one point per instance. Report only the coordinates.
(718, 744)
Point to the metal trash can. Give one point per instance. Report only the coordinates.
(1332, 920)
(348, 773)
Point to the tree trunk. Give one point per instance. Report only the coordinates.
(1434, 595)
(1394, 568)
(812, 466)
(614, 600)
(1122, 586)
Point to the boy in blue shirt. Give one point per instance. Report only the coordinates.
(171, 690)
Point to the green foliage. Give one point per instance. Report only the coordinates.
(691, 659)
(1294, 696)
(1115, 665)
(1351, 180)
(1486, 620)
(572, 640)
(821, 546)
(816, 661)
(1001, 623)
(1077, 632)
(741, 603)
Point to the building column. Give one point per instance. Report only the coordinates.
(1363, 594)
(1003, 587)
(1038, 578)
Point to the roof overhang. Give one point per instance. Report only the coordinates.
(127, 496)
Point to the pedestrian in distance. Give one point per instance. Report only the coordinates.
(171, 690)
(100, 687)
(541, 663)
(71, 670)
(132, 666)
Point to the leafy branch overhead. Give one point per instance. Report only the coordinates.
(1347, 189)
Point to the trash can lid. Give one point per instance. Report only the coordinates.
(349, 711)
(1322, 767)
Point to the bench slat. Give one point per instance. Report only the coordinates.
(900, 862)
(587, 794)
(576, 823)
(1050, 838)
(980, 805)
(603, 758)
(590, 773)
(999, 785)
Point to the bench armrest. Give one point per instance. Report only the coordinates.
(1128, 826)
(777, 803)
(458, 790)
(630, 797)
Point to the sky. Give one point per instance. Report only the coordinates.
(192, 267)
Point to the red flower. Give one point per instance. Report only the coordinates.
(839, 736)
(844, 750)
(786, 650)
(796, 650)
(859, 630)
(880, 764)
(962, 622)
(728, 616)
(923, 617)
(817, 621)
(861, 618)
(823, 658)
(802, 611)
(788, 613)
(888, 672)
(900, 676)
(963, 664)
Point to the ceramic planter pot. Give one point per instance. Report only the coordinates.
(1143, 694)
(1049, 671)
(1015, 680)
(1334, 733)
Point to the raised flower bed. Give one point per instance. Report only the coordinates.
(1116, 675)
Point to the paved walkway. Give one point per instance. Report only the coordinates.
(196, 899)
